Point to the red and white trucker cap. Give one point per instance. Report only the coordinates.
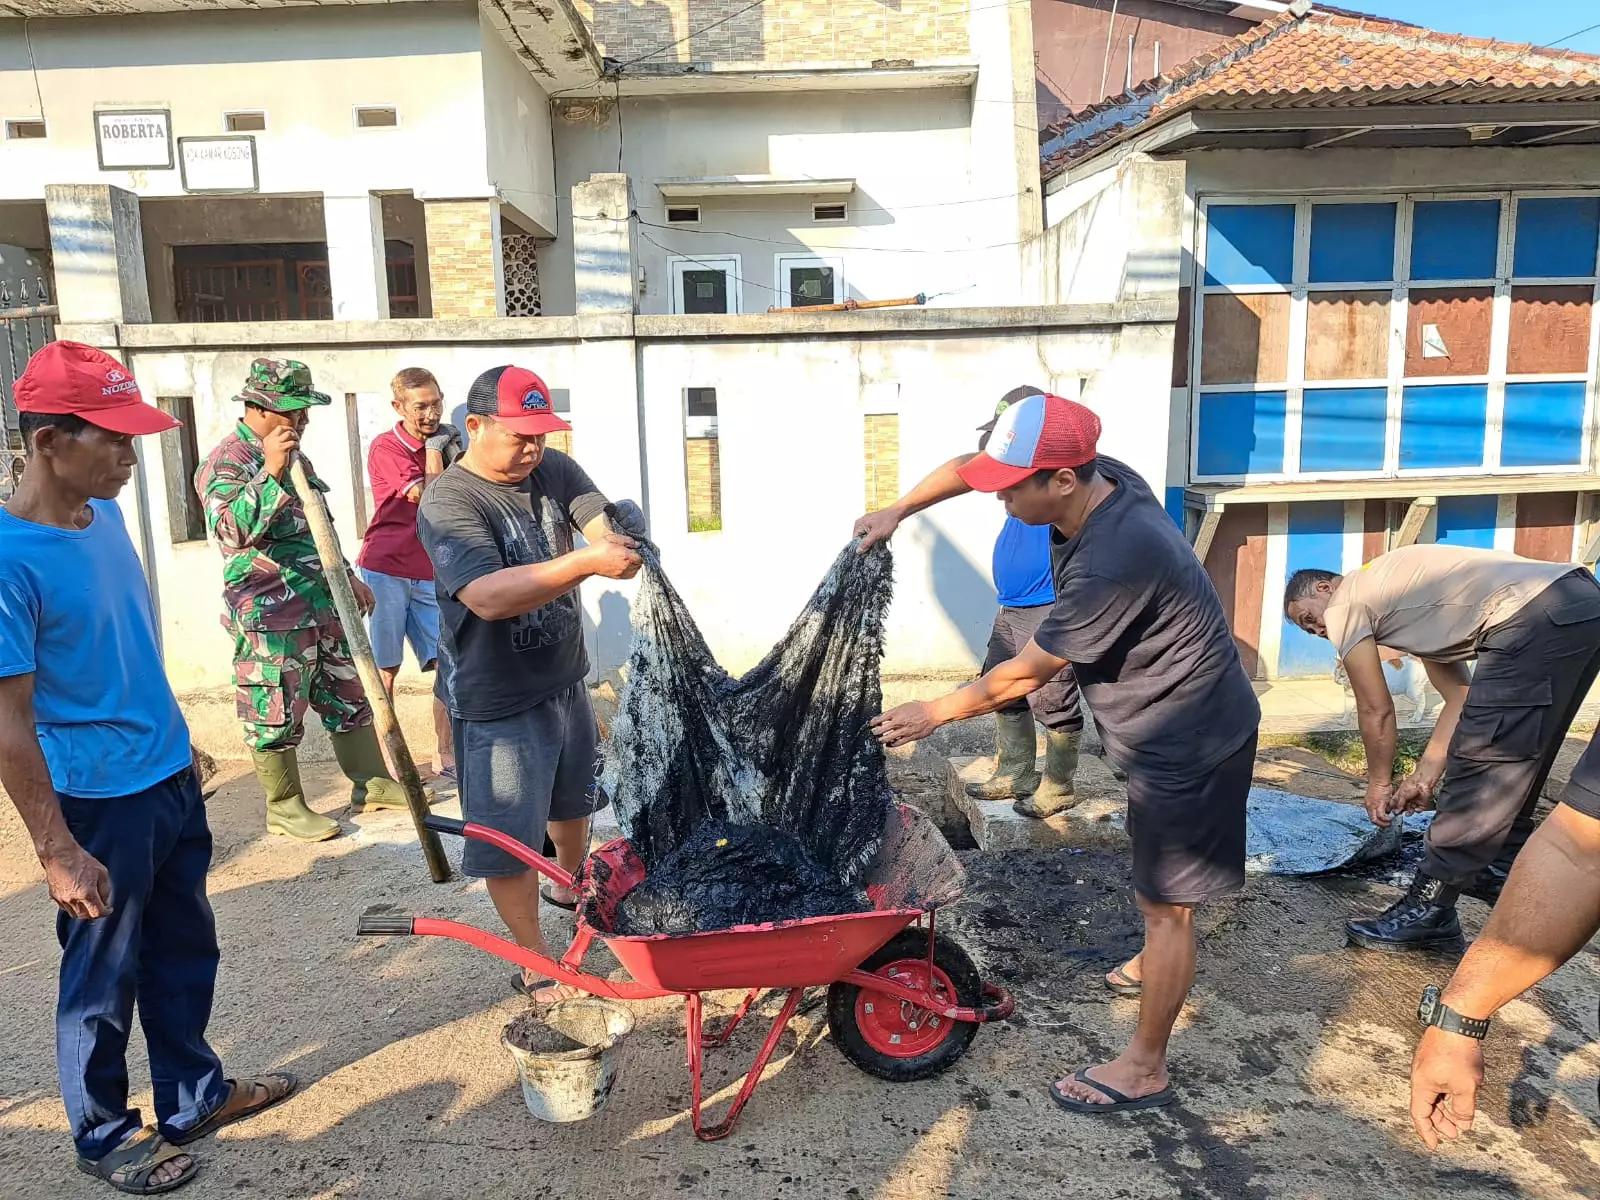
(1033, 434)
(69, 378)
(517, 398)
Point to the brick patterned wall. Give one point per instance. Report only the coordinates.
(787, 31)
(461, 249)
(704, 463)
(881, 448)
(560, 440)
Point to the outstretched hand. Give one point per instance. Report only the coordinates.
(908, 723)
(875, 527)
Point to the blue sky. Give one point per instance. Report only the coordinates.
(1537, 21)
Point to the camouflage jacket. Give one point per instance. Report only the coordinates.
(272, 578)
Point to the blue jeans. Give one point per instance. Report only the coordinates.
(159, 945)
(406, 610)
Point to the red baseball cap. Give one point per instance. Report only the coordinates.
(517, 398)
(1033, 434)
(69, 378)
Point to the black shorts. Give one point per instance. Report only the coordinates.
(1583, 789)
(1188, 834)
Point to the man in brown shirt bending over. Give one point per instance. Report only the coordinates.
(1534, 629)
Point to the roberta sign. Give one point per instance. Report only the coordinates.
(134, 140)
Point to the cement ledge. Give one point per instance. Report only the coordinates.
(258, 335)
(1162, 311)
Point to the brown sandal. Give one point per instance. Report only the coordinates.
(138, 1158)
(279, 1086)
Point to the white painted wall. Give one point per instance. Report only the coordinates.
(308, 69)
(790, 415)
(914, 225)
(517, 128)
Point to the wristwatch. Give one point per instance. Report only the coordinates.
(1434, 1011)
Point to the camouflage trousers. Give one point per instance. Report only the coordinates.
(278, 674)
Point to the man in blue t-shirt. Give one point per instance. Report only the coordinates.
(95, 755)
(1021, 568)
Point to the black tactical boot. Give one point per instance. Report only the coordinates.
(1487, 884)
(1423, 919)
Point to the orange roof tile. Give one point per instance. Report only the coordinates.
(1322, 59)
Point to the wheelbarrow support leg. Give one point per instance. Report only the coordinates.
(713, 1133)
(720, 1036)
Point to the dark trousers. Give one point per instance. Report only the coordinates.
(157, 945)
(1055, 705)
(1534, 670)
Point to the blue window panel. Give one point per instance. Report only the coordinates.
(1249, 243)
(1557, 237)
(1543, 425)
(1241, 433)
(1467, 521)
(1316, 539)
(1454, 239)
(1342, 429)
(1443, 426)
(1174, 506)
(1352, 243)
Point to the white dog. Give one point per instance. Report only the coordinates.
(1406, 677)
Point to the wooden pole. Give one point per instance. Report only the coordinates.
(355, 632)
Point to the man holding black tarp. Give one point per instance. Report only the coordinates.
(1139, 621)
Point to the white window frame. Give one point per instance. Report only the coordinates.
(266, 122)
(728, 263)
(1399, 288)
(782, 263)
(6, 124)
(357, 109)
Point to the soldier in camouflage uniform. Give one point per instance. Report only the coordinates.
(289, 647)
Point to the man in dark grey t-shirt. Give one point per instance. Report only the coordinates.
(498, 526)
(1139, 621)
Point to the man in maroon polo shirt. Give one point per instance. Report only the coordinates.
(401, 463)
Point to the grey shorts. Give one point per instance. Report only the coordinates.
(524, 770)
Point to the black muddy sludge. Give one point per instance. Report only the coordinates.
(695, 754)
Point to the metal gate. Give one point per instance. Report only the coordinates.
(22, 331)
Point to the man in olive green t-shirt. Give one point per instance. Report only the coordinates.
(1534, 630)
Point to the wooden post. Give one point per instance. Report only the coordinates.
(355, 632)
(1416, 517)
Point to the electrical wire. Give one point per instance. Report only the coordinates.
(1579, 33)
(27, 36)
(853, 246)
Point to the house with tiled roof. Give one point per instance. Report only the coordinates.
(1383, 240)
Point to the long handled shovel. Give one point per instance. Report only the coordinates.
(355, 632)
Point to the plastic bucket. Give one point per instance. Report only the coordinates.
(571, 1085)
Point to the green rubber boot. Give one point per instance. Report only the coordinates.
(1054, 793)
(1013, 769)
(362, 762)
(287, 814)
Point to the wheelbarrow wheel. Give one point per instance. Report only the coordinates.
(893, 1040)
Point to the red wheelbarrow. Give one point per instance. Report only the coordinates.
(903, 1003)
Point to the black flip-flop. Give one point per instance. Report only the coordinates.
(1123, 984)
(1119, 1102)
(569, 905)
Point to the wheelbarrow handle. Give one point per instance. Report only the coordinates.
(502, 841)
(385, 924)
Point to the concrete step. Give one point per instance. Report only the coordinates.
(1096, 820)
